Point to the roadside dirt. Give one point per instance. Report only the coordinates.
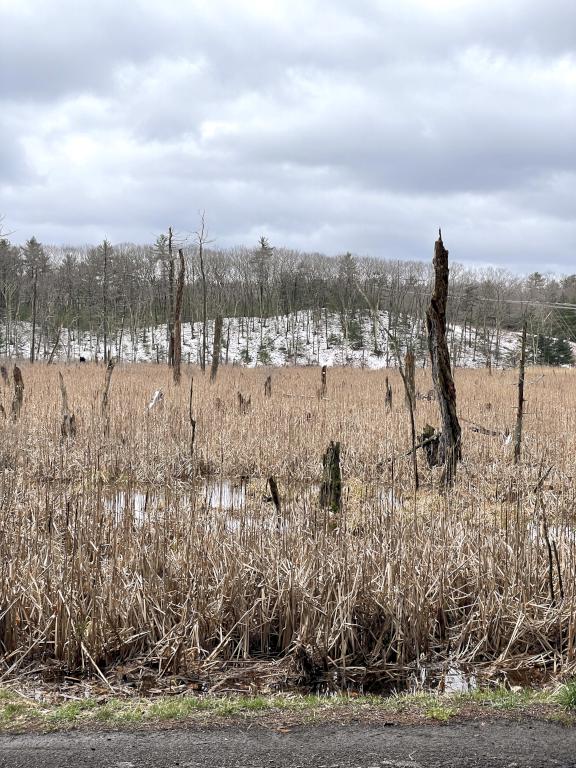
(479, 744)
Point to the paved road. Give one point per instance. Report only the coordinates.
(498, 745)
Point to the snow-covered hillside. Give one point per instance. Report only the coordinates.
(303, 338)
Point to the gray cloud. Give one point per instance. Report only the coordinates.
(328, 126)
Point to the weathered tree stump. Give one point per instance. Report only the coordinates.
(244, 403)
(388, 396)
(331, 487)
(68, 426)
(430, 439)
(18, 398)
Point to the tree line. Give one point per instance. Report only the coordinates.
(119, 288)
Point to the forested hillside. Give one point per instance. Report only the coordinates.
(110, 298)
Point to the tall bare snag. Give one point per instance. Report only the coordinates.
(449, 448)
(177, 326)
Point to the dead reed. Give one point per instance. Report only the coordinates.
(119, 543)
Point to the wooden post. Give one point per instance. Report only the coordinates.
(331, 487)
(177, 326)
(520, 411)
(216, 347)
(18, 393)
(449, 448)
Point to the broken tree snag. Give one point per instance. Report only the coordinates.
(105, 401)
(410, 373)
(268, 387)
(429, 440)
(191, 417)
(449, 449)
(68, 426)
(177, 325)
(520, 411)
(388, 396)
(323, 382)
(275, 497)
(18, 398)
(216, 347)
(331, 487)
(244, 403)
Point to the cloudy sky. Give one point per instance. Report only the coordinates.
(326, 125)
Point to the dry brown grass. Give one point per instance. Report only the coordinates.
(394, 583)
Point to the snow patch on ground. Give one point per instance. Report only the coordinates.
(299, 338)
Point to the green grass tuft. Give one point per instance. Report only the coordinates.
(567, 695)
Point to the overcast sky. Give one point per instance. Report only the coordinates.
(332, 125)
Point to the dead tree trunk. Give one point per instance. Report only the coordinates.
(55, 347)
(323, 382)
(275, 497)
(34, 309)
(170, 299)
(244, 403)
(216, 347)
(68, 426)
(388, 396)
(410, 373)
(449, 449)
(18, 393)
(177, 326)
(520, 411)
(105, 400)
(191, 417)
(331, 487)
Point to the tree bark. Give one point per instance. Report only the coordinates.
(216, 347)
(105, 407)
(171, 322)
(520, 411)
(331, 487)
(18, 393)
(177, 351)
(449, 449)
(410, 373)
(34, 307)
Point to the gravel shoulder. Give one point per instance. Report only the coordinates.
(498, 744)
